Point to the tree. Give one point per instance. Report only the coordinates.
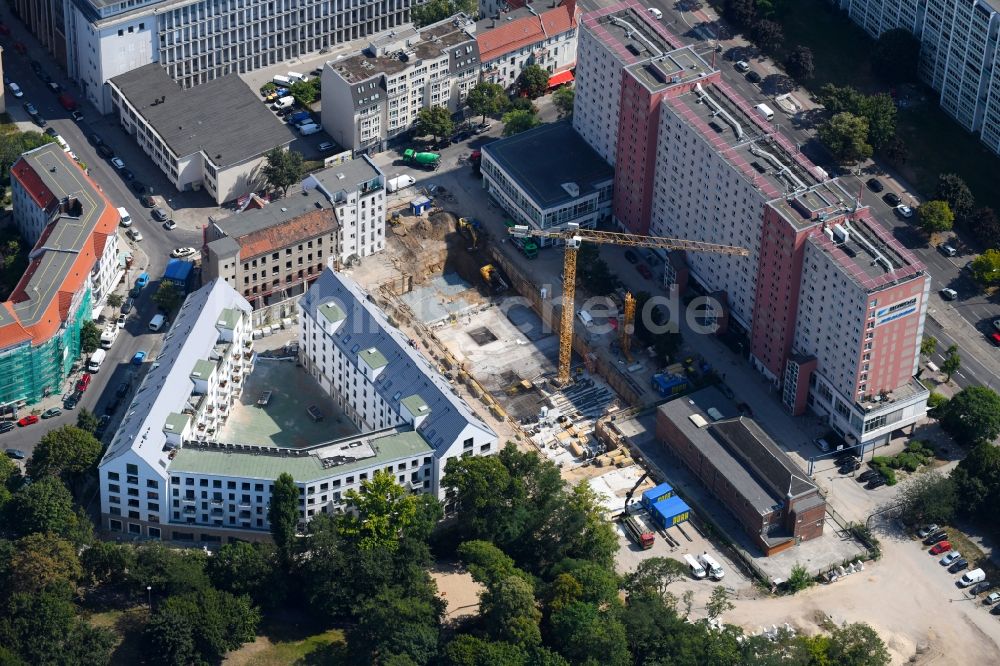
(928, 497)
(768, 35)
(799, 578)
(168, 297)
(928, 345)
(985, 227)
(741, 12)
(896, 55)
(533, 81)
(564, 98)
(383, 511)
(522, 104)
(44, 506)
(985, 268)
(799, 63)
(838, 99)
(654, 575)
(87, 421)
(67, 452)
(43, 561)
(977, 483)
(846, 137)
(283, 514)
(90, 337)
(935, 216)
(486, 563)
(394, 622)
(487, 99)
(107, 562)
(431, 12)
(115, 300)
(200, 627)
(434, 121)
(249, 569)
(581, 631)
(515, 122)
(857, 645)
(952, 362)
(509, 611)
(305, 92)
(719, 602)
(880, 112)
(283, 169)
(972, 415)
(952, 189)
(42, 628)
(895, 151)
(167, 571)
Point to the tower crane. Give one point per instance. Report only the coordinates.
(573, 236)
(628, 325)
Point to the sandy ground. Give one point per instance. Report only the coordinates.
(907, 597)
(457, 588)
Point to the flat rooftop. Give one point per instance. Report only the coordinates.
(362, 452)
(542, 159)
(222, 118)
(632, 34)
(670, 69)
(808, 207)
(866, 251)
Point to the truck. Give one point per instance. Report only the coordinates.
(642, 537)
(527, 245)
(108, 336)
(399, 183)
(432, 160)
(493, 279)
(95, 360)
(715, 571)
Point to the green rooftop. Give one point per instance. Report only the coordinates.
(176, 423)
(228, 318)
(332, 312)
(303, 468)
(202, 369)
(415, 404)
(374, 358)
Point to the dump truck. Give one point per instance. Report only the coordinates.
(423, 159)
(470, 228)
(493, 278)
(642, 537)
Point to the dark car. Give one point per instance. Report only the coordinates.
(102, 426)
(51, 131)
(753, 77)
(128, 175)
(631, 257)
(891, 198)
(137, 186)
(958, 565)
(935, 538)
(876, 482)
(96, 139)
(875, 185)
(76, 115)
(148, 200)
(111, 407)
(159, 215)
(850, 466)
(443, 143)
(127, 305)
(6, 426)
(55, 88)
(844, 459)
(30, 108)
(995, 610)
(16, 454)
(981, 587)
(72, 401)
(865, 476)
(41, 122)
(104, 150)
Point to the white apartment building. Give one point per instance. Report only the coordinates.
(878, 16)
(213, 137)
(374, 96)
(537, 34)
(166, 475)
(197, 41)
(356, 190)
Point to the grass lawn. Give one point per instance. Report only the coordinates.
(276, 648)
(128, 626)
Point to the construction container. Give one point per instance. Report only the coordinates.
(657, 494)
(576, 450)
(670, 512)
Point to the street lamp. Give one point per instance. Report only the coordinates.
(149, 597)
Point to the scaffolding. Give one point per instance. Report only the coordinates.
(31, 372)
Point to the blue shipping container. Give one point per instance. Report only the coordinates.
(657, 494)
(671, 511)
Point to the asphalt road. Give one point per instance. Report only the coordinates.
(153, 251)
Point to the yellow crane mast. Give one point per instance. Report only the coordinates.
(628, 323)
(572, 235)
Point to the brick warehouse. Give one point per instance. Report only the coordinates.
(775, 502)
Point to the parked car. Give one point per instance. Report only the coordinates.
(631, 257)
(6, 426)
(128, 175)
(981, 587)
(139, 357)
(148, 201)
(892, 199)
(852, 465)
(904, 211)
(995, 338)
(122, 319)
(875, 185)
(159, 214)
(137, 186)
(15, 89)
(83, 383)
(991, 598)
(845, 458)
(753, 77)
(28, 420)
(935, 538)
(325, 147)
(30, 108)
(51, 412)
(742, 66)
(948, 294)
(942, 547)
(72, 401)
(947, 249)
(959, 565)
(127, 305)
(104, 150)
(102, 426)
(950, 557)
(76, 115)
(122, 390)
(181, 252)
(866, 475)
(16, 454)
(134, 234)
(927, 530)
(118, 163)
(876, 481)
(169, 225)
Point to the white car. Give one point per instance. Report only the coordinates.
(169, 225)
(948, 294)
(15, 89)
(122, 319)
(183, 252)
(657, 14)
(118, 163)
(134, 235)
(904, 210)
(950, 557)
(742, 66)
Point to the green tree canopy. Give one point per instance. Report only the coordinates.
(396, 623)
(87, 421)
(43, 561)
(985, 227)
(977, 483)
(896, 55)
(305, 92)
(487, 99)
(167, 571)
(283, 169)
(515, 122)
(719, 602)
(42, 628)
(533, 81)
(434, 121)
(383, 510)
(952, 362)
(985, 268)
(199, 627)
(90, 337)
(431, 12)
(935, 216)
(654, 575)
(581, 630)
(768, 35)
(846, 137)
(880, 112)
(972, 415)
(564, 98)
(952, 189)
(927, 497)
(509, 611)
(928, 345)
(283, 515)
(168, 297)
(44, 506)
(249, 569)
(799, 63)
(857, 645)
(67, 452)
(108, 562)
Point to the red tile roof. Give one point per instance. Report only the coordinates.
(310, 225)
(514, 35)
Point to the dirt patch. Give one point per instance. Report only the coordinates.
(456, 587)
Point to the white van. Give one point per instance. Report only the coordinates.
(156, 323)
(972, 577)
(281, 80)
(585, 317)
(657, 14)
(311, 128)
(283, 102)
(124, 218)
(697, 570)
(295, 76)
(765, 111)
(95, 360)
(713, 568)
(108, 336)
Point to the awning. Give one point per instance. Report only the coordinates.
(560, 78)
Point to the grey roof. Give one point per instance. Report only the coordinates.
(222, 118)
(349, 175)
(224, 247)
(738, 449)
(407, 373)
(542, 159)
(57, 250)
(168, 384)
(273, 214)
